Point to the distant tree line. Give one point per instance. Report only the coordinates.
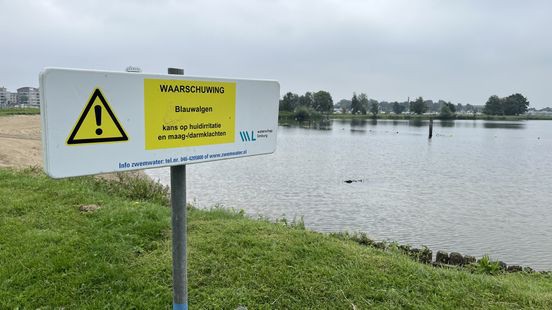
(362, 105)
(543, 110)
(515, 104)
(320, 102)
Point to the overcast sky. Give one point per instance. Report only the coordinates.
(459, 51)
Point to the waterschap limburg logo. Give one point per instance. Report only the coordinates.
(247, 136)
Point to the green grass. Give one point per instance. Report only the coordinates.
(18, 111)
(54, 256)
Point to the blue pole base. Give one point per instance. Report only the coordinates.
(180, 306)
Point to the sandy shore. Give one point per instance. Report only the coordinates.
(20, 141)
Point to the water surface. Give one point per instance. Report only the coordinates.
(477, 187)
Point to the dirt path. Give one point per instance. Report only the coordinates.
(20, 141)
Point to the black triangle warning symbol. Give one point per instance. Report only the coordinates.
(97, 123)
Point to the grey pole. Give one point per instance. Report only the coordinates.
(178, 204)
(430, 127)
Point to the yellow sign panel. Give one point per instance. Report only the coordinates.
(180, 113)
(97, 123)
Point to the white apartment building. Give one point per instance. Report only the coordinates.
(12, 98)
(3, 97)
(28, 97)
(25, 97)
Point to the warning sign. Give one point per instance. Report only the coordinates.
(180, 113)
(97, 123)
(159, 120)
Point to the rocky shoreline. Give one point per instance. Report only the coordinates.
(442, 259)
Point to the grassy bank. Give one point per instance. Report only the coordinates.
(19, 111)
(52, 255)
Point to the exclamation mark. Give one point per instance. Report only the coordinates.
(98, 113)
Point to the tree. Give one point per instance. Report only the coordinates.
(432, 106)
(418, 106)
(374, 108)
(398, 108)
(323, 101)
(307, 100)
(363, 103)
(355, 104)
(512, 105)
(459, 108)
(344, 104)
(385, 106)
(302, 113)
(493, 106)
(515, 104)
(446, 112)
(452, 108)
(289, 102)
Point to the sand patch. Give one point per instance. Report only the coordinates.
(20, 141)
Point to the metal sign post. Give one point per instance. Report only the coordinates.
(178, 219)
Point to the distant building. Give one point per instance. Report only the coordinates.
(12, 99)
(24, 97)
(28, 97)
(3, 97)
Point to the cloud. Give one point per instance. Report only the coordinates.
(462, 51)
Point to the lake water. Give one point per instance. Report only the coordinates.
(477, 187)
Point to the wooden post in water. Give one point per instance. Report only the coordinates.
(430, 127)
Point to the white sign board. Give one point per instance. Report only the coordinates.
(96, 121)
